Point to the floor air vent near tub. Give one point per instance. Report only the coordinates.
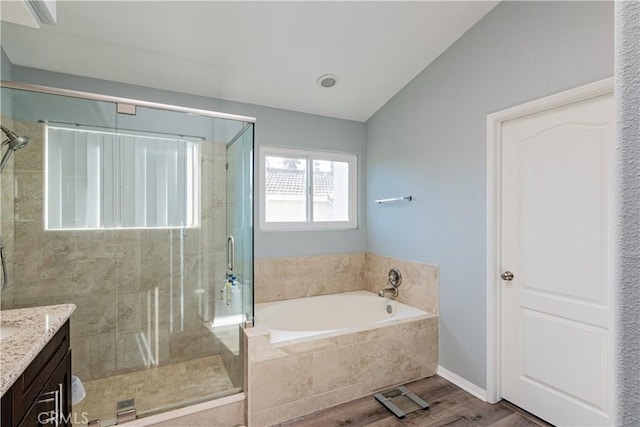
(401, 401)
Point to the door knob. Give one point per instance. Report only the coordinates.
(507, 275)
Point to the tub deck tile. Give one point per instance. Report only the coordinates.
(310, 346)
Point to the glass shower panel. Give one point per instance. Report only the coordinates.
(240, 219)
(71, 262)
(171, 261)
(128, 218)
(231, 309)
(234, 305)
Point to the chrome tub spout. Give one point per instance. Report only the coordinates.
(385, 290)
(394, 280)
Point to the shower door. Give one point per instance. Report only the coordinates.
(127, 216)
(172, 262)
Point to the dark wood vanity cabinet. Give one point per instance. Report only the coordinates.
(41, 396)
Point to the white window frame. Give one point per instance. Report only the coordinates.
(309, 156)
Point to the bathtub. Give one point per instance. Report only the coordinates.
(330, 315)
(308, 354)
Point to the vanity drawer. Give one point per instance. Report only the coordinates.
(53, 406)
(30, 386)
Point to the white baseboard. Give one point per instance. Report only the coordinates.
(464, 384)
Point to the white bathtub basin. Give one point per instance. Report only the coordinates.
(8, 330)
(347, 312)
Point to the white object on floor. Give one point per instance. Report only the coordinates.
(78, 392)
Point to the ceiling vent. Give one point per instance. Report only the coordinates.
(327, 80)
(31, 13)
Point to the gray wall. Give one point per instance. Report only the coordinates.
(5, 65)
(628, 220)
(5, 74)
(430, 140)
(273, 127)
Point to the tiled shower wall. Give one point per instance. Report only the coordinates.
(118, 279)
(7, 202)
(296, 277)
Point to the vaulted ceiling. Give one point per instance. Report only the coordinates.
(266, 53)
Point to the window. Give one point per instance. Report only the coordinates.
(97, 180)
(307, 190)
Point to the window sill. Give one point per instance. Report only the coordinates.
(306, 227)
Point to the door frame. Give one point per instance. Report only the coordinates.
(494, 201)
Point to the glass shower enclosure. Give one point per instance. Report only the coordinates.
(140, 214)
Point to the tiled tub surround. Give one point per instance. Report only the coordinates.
(278, 279)
(420, 281)
(36, 327)
(292, 379)
(287, 380)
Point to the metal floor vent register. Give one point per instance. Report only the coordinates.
(401, 401)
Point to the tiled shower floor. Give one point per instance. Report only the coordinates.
(154, 388)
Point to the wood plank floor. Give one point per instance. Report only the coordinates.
(449, 406)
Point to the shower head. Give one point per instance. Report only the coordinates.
(13, 143)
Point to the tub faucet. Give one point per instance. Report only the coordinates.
(391, 289)
(394, 280)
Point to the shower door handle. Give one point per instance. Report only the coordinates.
(231, 253)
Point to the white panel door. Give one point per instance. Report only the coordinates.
(556, 321)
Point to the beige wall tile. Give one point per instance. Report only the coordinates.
(280, 381)
(306, 377)
(313, 346)
(232, 361)
(420, 282)
(94, 356)
(92, 316)
(297, 277)
(350, 392)
(338, 367)
(30, 157)
(295, 409)
(224, 416)
(7, 198)
(28, 194)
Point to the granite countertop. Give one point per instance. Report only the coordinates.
(37, 326)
